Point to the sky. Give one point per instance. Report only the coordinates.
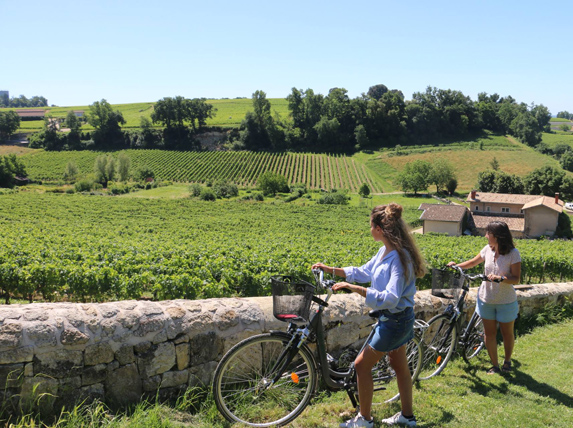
(77, 52)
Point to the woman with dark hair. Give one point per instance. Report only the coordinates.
(392, 276)
(497, 301)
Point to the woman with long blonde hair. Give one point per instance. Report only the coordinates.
(392, 276)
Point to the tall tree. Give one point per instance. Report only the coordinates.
(107, 124)
(9, 123)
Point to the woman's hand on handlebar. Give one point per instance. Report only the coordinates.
(451, 264)
(322, 267)
(341, 286)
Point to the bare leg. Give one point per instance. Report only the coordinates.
(490, 331)
(364, 363)
(399, 362)
(508, 338)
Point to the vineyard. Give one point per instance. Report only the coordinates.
(317, 171)
(92, 248)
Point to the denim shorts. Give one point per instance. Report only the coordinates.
(393, 330)
(501, 313)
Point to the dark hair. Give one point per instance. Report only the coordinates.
(500, 231)
(395, 229)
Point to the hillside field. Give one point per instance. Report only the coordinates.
(317, 170)
(229, 114)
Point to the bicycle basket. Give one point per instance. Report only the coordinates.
(291, 299)
(446, 283)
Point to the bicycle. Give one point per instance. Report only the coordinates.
(443, 337)
(269, 379)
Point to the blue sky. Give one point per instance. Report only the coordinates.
(78, 52)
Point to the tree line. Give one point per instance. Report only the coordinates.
(22, 101)
(333, 122)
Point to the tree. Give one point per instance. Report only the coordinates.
(145, 173)
(375, 92)
(487, 181)
(364, 190)
(71, 172)
(565, 128)
(361, 137)
(452, 185)
(10, 168)
(9, 123)
(494, 164)
(567, 161)
(543, 116)
(441, 174)
(526, 128)
(271, 183)
(180, 112)
(105, 169)
(414, 177)
(546, 181)
(107, 124)
(123, 166)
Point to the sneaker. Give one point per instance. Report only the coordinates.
(357, 422)
(399, 419)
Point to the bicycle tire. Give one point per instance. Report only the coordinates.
(242, 386)
(439, 341)
(388, 377)
(475, 341)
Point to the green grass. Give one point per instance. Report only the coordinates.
(559, 119)
(559, 138)
(538, 393)
(230, 113)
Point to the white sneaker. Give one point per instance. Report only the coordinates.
(399, 419)
(357, 422)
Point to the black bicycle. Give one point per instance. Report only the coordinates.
(447, 331)
(269, 379)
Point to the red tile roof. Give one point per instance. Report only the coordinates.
(436, 212)
(514, 223)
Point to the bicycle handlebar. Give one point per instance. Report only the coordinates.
(479, 276)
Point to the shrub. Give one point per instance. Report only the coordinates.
(334, 198)
(222, 189)
(84, 185)
(258, 197)
(195, 189)
(364, 190)
(271, 183)
(144, 173)
(207, 195)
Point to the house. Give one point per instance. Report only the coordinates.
(528, 216)
(448, 219)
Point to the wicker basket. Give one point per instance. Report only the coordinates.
(291, 299)
(446, 283)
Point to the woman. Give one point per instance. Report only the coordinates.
(392, 275)
(497, 301)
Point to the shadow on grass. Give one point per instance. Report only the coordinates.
(519, 378)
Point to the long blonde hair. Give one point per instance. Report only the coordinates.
(397, 232)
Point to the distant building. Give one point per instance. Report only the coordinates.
(527, 216)
(4, 97)
(31, 114)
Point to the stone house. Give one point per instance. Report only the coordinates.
(527, 216)
(448, 219)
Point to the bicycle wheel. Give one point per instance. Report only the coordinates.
(385, 377)
(439, 343)
(474, 341)
(243, 385)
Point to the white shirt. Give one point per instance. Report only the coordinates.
(494, 292)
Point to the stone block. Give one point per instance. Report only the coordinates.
(42, 335)
(182, 352)
(94, 374)
(205, 347)
(59, 364)
(174, 378)
(157, 360)
(124, 385)
(125, 355)
(11, 334)
(152, 383)
(72, 336)
(100, 353)
(39, 393)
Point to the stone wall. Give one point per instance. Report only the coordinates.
(121, 351)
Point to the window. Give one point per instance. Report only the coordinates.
(504, 210)
(477, 208)
(487, 209)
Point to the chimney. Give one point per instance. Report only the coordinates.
(473, 194)
(557, 198)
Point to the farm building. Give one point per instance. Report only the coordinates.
(527, 216)
(30, 114)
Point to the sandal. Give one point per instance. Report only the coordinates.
(494, 370)
(506, 366)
